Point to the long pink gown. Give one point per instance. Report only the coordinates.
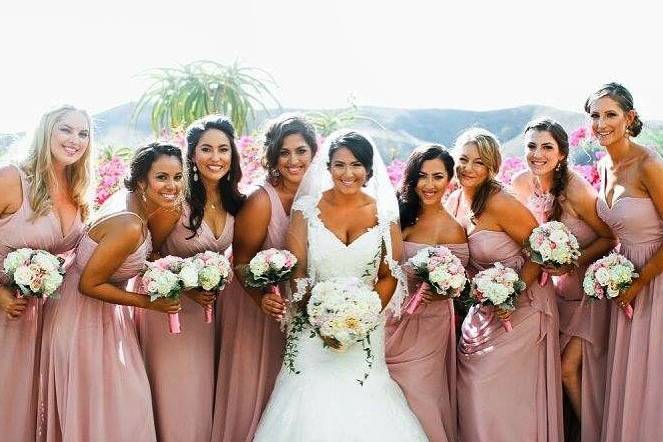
(94, 385)
(509, 384)
(20, 339)
(421, 355)
(181, 367)
(589, 321)
(634, 386)
(251, 349)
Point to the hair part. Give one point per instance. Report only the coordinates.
(38, 166)
(409, 203)
(488, 148)
(624, 99)
(277, 130)
(228, 186)
(561, 171)
(143, 159)
(357, 143)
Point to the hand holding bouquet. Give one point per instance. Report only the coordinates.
(343, 311)
(34, 273)
(608, 277)
(552, 244)
(162, 279)
(440, 270)
(498, 286)
(208, 271)
(269, 268)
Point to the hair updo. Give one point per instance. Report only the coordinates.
(142, 161)
(356, 143)
(277, 130)
(625, 100)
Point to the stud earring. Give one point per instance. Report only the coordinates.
(195, 173)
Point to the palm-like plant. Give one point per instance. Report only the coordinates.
(178, 96)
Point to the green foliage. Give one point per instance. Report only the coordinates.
(107, 152)
(179, 96)
(653, 138)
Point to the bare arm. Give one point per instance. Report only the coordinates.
(114, 246)
(250, 232)
(161, 224)
(386, 283)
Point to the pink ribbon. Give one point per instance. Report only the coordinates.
(174, 323)
(416, 299)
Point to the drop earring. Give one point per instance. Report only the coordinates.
(195, 173)
(143, 197)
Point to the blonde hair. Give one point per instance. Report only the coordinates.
(488, 148)
(38, 165)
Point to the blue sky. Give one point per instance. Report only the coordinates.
(468, 55)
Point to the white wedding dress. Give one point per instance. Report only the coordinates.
(325, 401)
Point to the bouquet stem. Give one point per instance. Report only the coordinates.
(274, 288)
(507, 325)
(416, 299)
(543, 279)
(174, 323)
(208, 314)
(628, 311)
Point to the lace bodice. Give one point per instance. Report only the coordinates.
(329, 257)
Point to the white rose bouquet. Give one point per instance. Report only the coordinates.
(208, 271)
(552, 244)
(269, 268)
(161, 279)
(440, 270)
(34, 273)
(498, 286)
(609, 276)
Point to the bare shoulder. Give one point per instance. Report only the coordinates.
(455, 232)
(10, 183)
(124, 227)
(521, 180)
(258, 201)
(578, 188)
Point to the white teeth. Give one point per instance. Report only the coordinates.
(214, 168)
(168, 196)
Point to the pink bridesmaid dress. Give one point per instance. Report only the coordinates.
(20, 339)
(421, 355)
(251, 349)
(94, 385)
(181, 367)
(589, 321)
(634, 386)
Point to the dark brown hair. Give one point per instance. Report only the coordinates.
(625, 100)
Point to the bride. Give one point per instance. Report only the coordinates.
(344, 224)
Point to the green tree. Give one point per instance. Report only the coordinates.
(178, 96)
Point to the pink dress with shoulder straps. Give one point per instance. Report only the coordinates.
(20, 339)
(94, 386)
(251, 349)
(181, 367)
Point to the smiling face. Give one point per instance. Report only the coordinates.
(432, 183)
(70, 138)
(471, 170)
(295, 157)
(542, 152)
(609, 121)
(163, 184)
(212, 155)
(348, 173)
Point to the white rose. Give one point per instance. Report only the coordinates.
(23, 275)
(602, 275)
(189, 275)
(52, 282)
(558, 236)
(46, 261)
(210, 277)
(277, 261)
(258, 266)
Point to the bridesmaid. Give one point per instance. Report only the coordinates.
(421, 347)
(553, 192)
(251, 341)
(631, 203)
(42, 206)
(94, 385)
(509, 384)
(181, 367)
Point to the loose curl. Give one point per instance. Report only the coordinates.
(409, 203)
(228, 186)
(625, 100)
(279, 128)
(561, 172)
(142, 161)
(38, 166)
(488, 148)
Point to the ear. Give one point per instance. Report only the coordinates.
(630, 117)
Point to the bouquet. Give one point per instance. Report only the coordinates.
(343, 311)
(208, 271)
(498, 286)
(440, 270)
(161, 279)
(552, 244)
(269, 268)
(34, 273)
(609, 276)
